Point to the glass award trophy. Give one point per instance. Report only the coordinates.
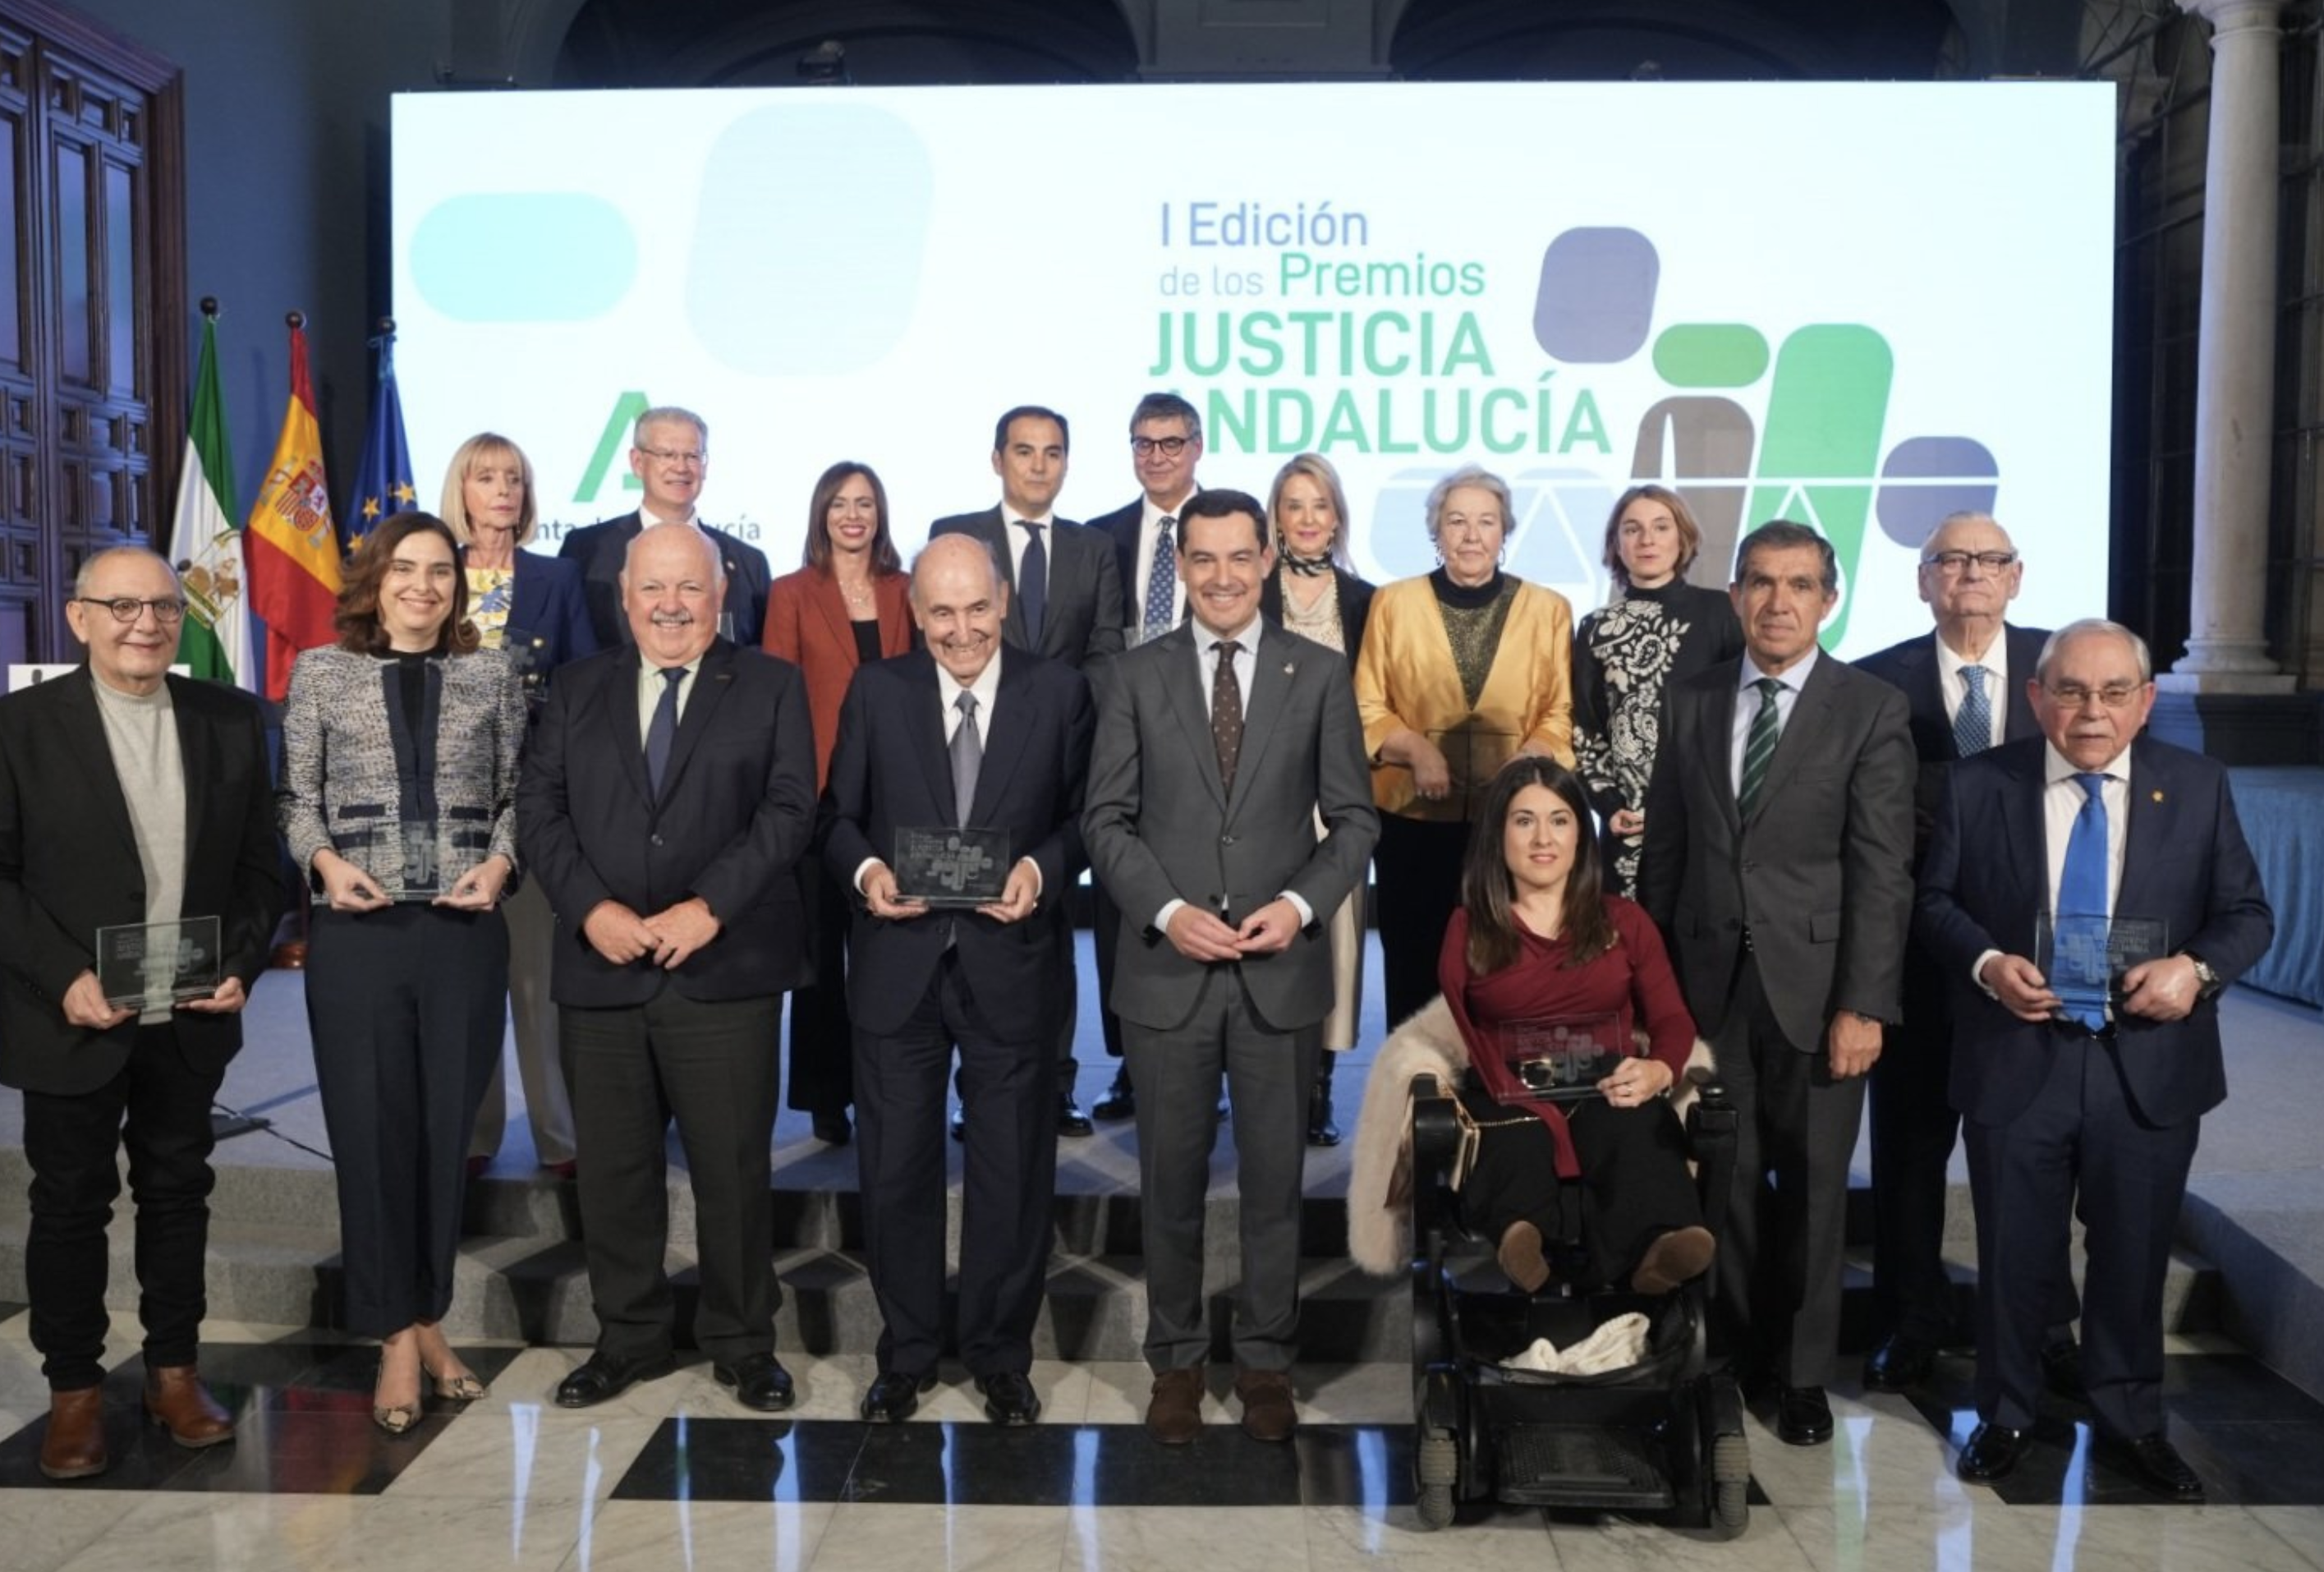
(1561, 1060)
(2084, 954)
(423, 871)
(950, 867)
(150, 965)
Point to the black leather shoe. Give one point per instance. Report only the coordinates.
(1899, 1362)
(1802, 1416)
(1993, 1450)
(959, 1123)
(1071, 1120)
(601, 1376)
(1120, 1102)
(895, 1396)
(759, 1379)
(1008, 1398)
(2062, 1371)
(2157, 1466)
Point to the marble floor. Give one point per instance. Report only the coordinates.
(674, 1474)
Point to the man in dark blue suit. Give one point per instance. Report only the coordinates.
(2085, 1102)
(1166, 443)
(961, 733)
(669, 453)
(1064, 604)
(1958, 680)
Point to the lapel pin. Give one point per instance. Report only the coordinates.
(2158, 796)
(1289, 667)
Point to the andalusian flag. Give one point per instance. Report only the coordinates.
(206, 546)
(294, 552)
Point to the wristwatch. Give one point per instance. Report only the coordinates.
(2208, 983)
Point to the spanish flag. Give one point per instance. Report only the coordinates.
(293, 550)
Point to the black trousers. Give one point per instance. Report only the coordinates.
(407, 1007)
(2081, 1146)
(1634, 1185)
(158, 1108)
(1009, 1090)
(1779, 1264)
(711, 1067)
(1418, 866)
(822, 1058)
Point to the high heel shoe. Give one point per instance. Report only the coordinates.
(396, 1419)
(461, 1388)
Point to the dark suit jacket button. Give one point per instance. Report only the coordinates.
(1226, 840)
(657, 840)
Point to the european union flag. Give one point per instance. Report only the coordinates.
(383, 481)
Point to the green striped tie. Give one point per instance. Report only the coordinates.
(1759, 748)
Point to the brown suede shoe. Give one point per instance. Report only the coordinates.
(1679, 1256)
(74, 1447)
(1173, 1416)
(1266, 1411)
(1521, 1258)
(176, 1400)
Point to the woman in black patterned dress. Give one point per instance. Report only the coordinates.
(1657, 628)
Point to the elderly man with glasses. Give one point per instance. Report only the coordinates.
(129, 798)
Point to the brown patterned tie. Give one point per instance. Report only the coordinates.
(1226, 713)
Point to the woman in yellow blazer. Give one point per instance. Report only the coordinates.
(1461, 670)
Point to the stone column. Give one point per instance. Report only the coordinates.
(2235, 375)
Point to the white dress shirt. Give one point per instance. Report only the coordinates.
(1013, 530)
(1747, 707)
(1149, 527)
(650, 687)
(2062, 804)
(1955, 689)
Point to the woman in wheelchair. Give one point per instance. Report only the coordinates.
(1577, 1165)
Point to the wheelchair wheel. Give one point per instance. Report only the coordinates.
(1730, 1480)
(1436, 1468)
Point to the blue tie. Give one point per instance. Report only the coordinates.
(1161, 582)
(661, 733)
(1033, 584)
(2082, 894)
(1973, 723)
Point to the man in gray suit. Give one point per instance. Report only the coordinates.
(1216, 745)
(1778, 865)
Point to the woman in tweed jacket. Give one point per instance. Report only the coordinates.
(399, 750)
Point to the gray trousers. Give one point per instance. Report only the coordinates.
(1176, 1072)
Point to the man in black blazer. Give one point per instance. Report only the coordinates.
(669, 453)
(1217, 746)
(962, 733)
(668, 793)
(1969, 572)
(2085, 1104)
(1166, 443)
(1064, 604)
(127, 795)
(1778, 865)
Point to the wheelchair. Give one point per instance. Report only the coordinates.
(1663, 1437)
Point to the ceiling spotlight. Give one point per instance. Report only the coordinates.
(825, 65)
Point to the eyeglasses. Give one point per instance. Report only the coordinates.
(1958, 561)
(2114, 695)
(125, 608)
(684, 457)
(1168, 447)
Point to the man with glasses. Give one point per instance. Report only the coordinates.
(1957, 679)
(1166, 443)
(669, 453)
(2083, 1075)
(128, 797)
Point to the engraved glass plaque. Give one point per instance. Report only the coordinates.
(1564, 1060)
(2084, 954)
(950, 867)
(149, 966)
(423, 872)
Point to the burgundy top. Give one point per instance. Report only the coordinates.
(1631, 981)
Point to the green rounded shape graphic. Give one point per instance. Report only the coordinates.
(1711, 355)
(523, 257)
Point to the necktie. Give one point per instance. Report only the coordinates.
(662, 730)
(967, 757)
(1226, 713)
(1161, 583)
(2082, 894)
(1759, 748)
(1033, 584)
(1973, 723)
